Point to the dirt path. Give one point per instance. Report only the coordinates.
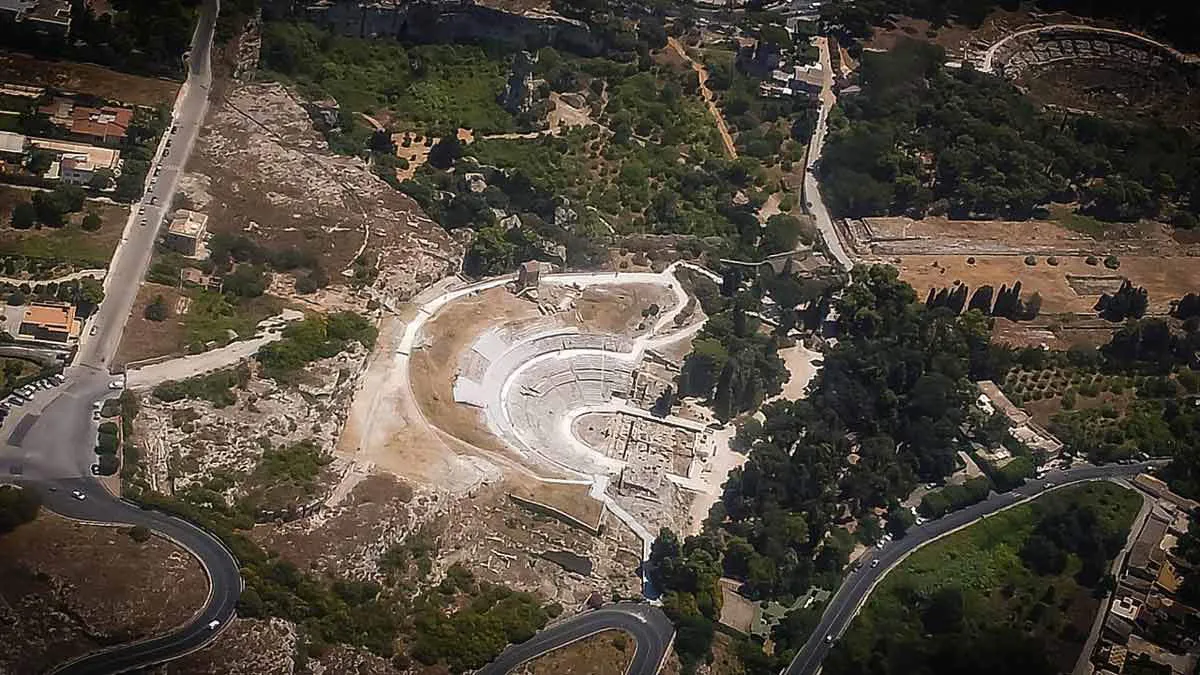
(726, 139)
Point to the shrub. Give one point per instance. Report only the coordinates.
(1112, 262)
(1030, 260)
(139, 533)
(1052, 260)
(1091, 260)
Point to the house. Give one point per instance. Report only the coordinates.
(13, 146)
(106, 124)
(192, 277)
(49, 17)
(187, 232)
(51, 322)
(78, 163)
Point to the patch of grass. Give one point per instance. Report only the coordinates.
(974, 586)
(425, 87)
(1078, 222)
(216, 388)
(15, 373)
(212, 320)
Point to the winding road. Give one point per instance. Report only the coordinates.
(650, 628)
(48, 443)
(858, 585)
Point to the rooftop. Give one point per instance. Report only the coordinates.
(13, 143)
(95, 157)
(54, 317)
(106, 122)
(188, 223)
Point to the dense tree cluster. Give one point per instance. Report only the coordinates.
(1128, 302)
(938, 503)
(243, 264)
(994, 154)
(893, 392)
(17, 507)
(959, 610)
(732, 363)
(1071, 529)
(1006, 302)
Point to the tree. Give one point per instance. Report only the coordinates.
(102, 179)
(899, 519)
(92, 221)
(140, 533)
(17, 507)
(1128, 302)
(781, 234)
(157, 309)
(662, 405)
(445, 152)
(24, 216)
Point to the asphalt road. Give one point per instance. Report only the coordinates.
(225, 583)
(52, 448)
(650, 628)
(858, 585)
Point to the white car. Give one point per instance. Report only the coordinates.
(116, 384)
(78, 495)
(875, 563)
(93, 330)
(212, 625)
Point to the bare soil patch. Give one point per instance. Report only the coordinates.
(246, 647)
(502, 542)
(144, 338)
(71, 588)
(1165, 278)
(347, 539)
(1125, 93)
(87, 78)
(618, 309)
(606, 653)
(261, 170)
(433, 368)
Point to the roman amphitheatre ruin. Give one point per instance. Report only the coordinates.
(546, 382)
(1085, 68)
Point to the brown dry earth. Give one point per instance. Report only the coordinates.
(260, 169)
(87, 78)
(71, 588)
(1165, 279)
(144, 338)
(607, 653)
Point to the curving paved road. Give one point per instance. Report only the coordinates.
(225, 583)
(48, 443)
(650, 628)
(859, 584)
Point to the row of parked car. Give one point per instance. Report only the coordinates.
(25, 394)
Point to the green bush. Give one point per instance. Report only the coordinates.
(317, 337)
(216, 388)
(139, 533)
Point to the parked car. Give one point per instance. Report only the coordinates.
(95, 469)
(93, 330)
(78, 495)
(874, 563)
(116, 384)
